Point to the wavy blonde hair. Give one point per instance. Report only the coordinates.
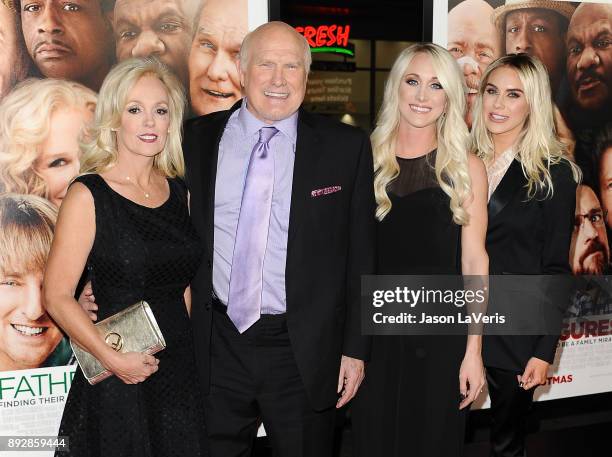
(451, 166)
(25, 122)
(26, 231)
(537, 146)
(100, 152)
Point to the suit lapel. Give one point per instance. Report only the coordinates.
(509, 185)
(307, 159)
(307, 155)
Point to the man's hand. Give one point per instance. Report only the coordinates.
(534, 375)
(350, 377)
(87, 301)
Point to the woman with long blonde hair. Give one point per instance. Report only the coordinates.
(126, 220)
(431, 196)
(532, 191)
(42, 122)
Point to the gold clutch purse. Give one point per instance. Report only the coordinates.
(132, 330)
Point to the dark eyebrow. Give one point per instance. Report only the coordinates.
(481, 45)
(602, 34)
(169, 12)
(123, 22)
(514, 90)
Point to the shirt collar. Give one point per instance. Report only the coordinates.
(251, 125)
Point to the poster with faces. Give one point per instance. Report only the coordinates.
(54, 56)
(574, 42)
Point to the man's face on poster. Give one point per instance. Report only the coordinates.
(27, 334)
(13, 60)
(68, 40)
(162, 28)
(589, 250)
(540, 33)
(214, 83)
(474, 41)
(589, 56)
(605, 183)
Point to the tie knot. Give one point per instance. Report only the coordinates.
(266, 133)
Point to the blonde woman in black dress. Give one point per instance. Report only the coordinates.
(432, 197)
(126, 219)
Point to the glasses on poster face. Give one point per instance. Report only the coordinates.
(596, 217)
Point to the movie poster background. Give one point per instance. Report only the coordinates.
(574, 41)
(54, 56)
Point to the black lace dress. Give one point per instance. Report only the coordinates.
(408, 404)
(151, 254)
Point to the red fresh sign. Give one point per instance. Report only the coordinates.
(325, 35)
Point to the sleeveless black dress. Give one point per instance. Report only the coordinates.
(408, 404)
(151, 254)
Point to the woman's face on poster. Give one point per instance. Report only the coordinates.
(27, 333)
(59, 159)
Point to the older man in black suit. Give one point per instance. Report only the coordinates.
(284, 203)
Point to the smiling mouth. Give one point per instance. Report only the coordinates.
(214, 93)
(588, 83)
(29, 331)
(420, 109)
(497, 117)
(279, 95)
(148, 138)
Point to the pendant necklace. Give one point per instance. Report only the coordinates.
(146, 194)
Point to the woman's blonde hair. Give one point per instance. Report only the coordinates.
(451, 166)
(26, 231)
(100, 151)
(25, 122)
(537, 146)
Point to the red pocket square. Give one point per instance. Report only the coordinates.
(325, 191)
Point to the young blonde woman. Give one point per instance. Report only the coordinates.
(532, 189)
(127, 221)
(41, 124)
(431, 196)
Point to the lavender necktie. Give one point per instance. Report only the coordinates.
(246, 278)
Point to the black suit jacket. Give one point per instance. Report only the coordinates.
(528, 237)
(330, 244)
